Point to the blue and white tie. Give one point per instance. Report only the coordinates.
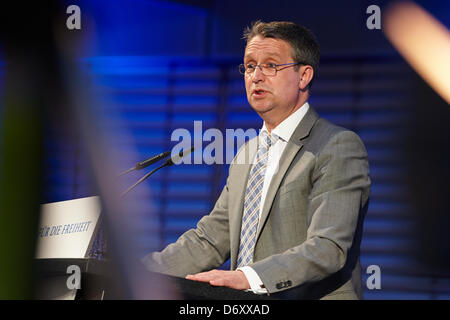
(252, 200)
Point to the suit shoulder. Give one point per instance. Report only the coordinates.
(324, 131)
(327, 128)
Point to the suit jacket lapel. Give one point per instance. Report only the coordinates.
(289, 153)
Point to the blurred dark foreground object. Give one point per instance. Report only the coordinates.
(428, 167)
(30, 91)
(424, 42)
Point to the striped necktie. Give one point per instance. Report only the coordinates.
(252, 200)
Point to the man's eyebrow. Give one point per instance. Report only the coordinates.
(269, 55)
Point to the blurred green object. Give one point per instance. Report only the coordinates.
(29, 91)
(20, 186)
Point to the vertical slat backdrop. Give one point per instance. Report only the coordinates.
(151, 97)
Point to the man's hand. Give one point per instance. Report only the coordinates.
(222, 278)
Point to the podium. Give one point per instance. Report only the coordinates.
(51, 278)
(67, 229)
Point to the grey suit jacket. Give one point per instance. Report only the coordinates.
(309, 234)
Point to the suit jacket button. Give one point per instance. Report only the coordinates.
(288, 283)
(279, 285)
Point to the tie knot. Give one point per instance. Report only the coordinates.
(268, 139)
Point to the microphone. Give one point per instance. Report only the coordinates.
(146, 163)
(174, 159)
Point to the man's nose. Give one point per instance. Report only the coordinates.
(258, 74)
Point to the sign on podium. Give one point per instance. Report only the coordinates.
(67, 228)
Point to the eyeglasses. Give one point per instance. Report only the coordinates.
(267, 69)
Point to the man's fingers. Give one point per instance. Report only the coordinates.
(222, 278)
(202, 276)
(215, 277)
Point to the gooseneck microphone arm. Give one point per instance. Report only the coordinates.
(143, 178)
(168, 163)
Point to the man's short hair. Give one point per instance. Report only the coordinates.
(305, 48)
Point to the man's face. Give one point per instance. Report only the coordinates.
(274, 98)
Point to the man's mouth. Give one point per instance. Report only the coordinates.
(259, 93)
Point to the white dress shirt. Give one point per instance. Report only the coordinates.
(284, 132)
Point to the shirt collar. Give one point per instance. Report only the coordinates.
(287, 127)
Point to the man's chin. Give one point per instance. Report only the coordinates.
(262, 109)
(260, 106)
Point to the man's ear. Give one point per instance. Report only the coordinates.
(306, 75)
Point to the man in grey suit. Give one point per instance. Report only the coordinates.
(290, 215)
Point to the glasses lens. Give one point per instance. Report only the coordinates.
(242, 68)
(269, 70)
